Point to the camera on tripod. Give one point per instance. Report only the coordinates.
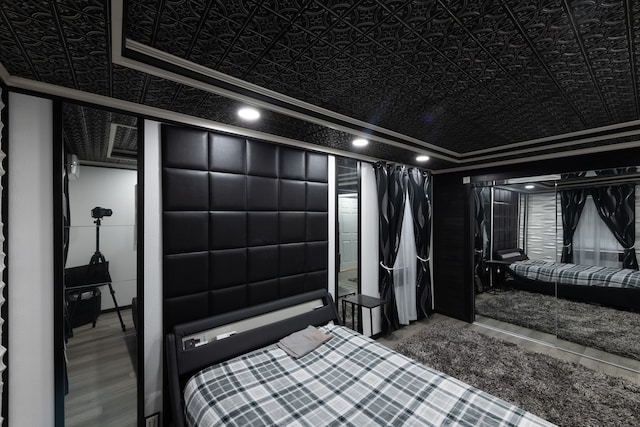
(99, 212)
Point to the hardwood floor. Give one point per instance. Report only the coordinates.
(101, 373)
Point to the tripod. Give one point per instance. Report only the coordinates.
(99, 267)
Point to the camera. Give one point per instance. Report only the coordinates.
(99, 212)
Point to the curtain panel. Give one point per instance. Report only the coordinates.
(616, 206)
(405, 270)
(479, 237)
(391, 186)
(393, 183)
(571, 205)
(420, 198)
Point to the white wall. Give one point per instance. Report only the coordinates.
(369, 245)
(153, 349)
(331, 214)
(113, 189)
(541, 227)
(30, 282)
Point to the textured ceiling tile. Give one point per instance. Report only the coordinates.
(13, 57)
(127, 83)
(464, 75)
(140, 19)
(86, 133)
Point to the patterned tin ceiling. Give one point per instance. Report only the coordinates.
(457, 80)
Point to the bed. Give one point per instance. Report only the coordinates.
(229, 370)
(612, 287)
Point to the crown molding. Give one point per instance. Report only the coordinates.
(548, 156)
(4, 74)
(466, 161)
(566, 144)
(188, 67)
(193, 68)
(155, 113)
(118, 57)
(557, 137)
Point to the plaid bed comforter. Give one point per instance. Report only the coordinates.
(349, 381)
(574, 274)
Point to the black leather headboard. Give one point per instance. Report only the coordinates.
(244, 222)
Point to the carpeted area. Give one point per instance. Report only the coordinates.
(564, 393)
(604, 328)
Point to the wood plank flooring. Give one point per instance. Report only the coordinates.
(102, 378)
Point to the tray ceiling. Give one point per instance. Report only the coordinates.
(467, 82)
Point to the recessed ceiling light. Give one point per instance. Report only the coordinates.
(360, 142)
(422, 158)
(249, 113)
(530, 187)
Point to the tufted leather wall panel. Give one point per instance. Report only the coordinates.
(244, 222)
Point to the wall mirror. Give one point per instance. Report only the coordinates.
(555, 260)
(99, 310)
(347, 230)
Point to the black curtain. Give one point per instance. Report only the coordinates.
(420, 198)
(616, 206)
(479, 239)
(391, 183)
(571, 205)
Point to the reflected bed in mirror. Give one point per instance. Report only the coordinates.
(577, 289)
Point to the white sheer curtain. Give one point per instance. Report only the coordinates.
(404, 270)
(593, 242)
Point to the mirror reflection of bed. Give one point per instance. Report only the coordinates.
(549, 267)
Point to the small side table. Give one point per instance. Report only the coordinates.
(360, 300)
(496, 279)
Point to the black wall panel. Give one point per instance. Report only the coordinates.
(505, 219)
(244, 222)
(452, 239)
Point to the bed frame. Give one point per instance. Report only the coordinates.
(193, 346)
(622, 298)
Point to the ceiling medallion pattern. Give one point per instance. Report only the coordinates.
(467, 76)
(63, 43)
(82, 124)
(462, 75)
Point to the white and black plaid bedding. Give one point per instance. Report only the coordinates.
(574, 274)
(349, 381)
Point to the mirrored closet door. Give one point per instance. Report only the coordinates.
(555, 260)
(599, 293)
(347, 229)
(515, 222)
(99, 309)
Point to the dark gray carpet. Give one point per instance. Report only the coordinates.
(608, 329)
(561, 392)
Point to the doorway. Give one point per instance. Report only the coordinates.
(348, 231)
